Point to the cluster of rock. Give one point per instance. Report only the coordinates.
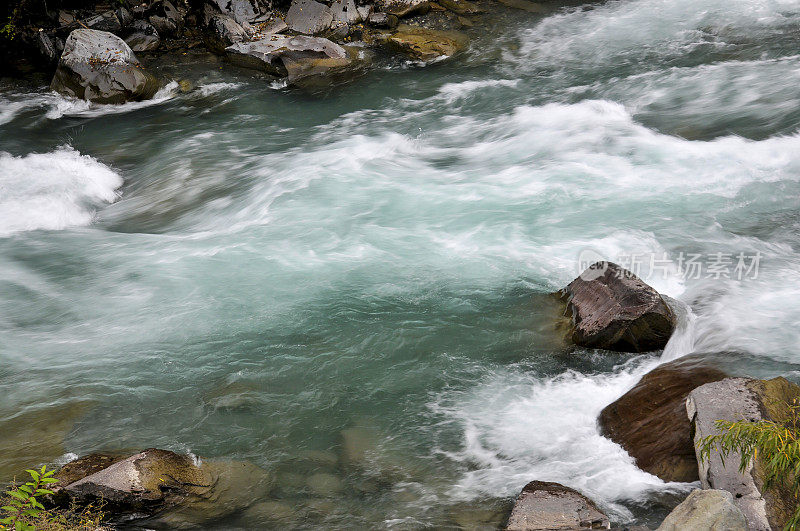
(95, 52)
(662, 419)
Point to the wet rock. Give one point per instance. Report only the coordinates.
(163, 25)
(292, 57)
(47, 48)
(99, 66)
(144, 482)
(124, 16)
(425, 44)
(35, 435)
(148, 482)
(270, 511)
(65, 18)
(309, 17)
(222, 31)
(650, 423)
(735, 399)
(107, 21)
(364, 11)
(613, 309)
(710, 510)
(383, 20)
(345, 12)
(240, 10)
(144, 37)
(404, 8)
(545, 505)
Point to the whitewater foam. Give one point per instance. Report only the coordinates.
(52, 190)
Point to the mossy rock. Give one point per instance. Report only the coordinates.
(424, 44)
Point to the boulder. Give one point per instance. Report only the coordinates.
(424, 44)
(613, 309)
(709, 510)
(404, 8)
(650, 423)
(345, 12)
(221, 32)
(240, 10)
(101, 67)
(735, 399)
(150, 481)
(144, 37)
(382, 20)
(287, 56)
(309, 17)
(145, 482)
(124, 16)
(47, 49)
(545, 505)
(106, 21)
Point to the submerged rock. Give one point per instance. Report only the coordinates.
(426, 44)
(650, 423)
(309, 17)
(543, 505)
(613, 309)
(101, 67)
(709, 510)
(736, 399)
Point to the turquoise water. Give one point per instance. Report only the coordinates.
(249, 272)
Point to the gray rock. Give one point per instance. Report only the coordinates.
(730, 399)
(46, 47)
(99, 66)
(543, 505)
(309, 17)
(107, 21)
(163, 25)
(404, 8)
(383, 20)
(124, 16)
(613, 309)
(280, 54)
(345, 12)
(240, 10)
(364, 11)
(223, 31)
(144, 38)
(709, 510)
(65, 18)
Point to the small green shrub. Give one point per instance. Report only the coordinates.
(777, 445)
(20, 509)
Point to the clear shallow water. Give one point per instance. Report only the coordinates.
(245, 272)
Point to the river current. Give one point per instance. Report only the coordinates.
(245, 271)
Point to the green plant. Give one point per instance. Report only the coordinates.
(9, 30)
(23, 503)
(776, 445)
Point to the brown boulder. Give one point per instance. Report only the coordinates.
(613, 309)
(650, 423)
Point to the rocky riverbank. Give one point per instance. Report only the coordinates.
(308, 43)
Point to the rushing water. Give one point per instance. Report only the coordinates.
(244, 271)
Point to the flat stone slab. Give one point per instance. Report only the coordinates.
(548, 506)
